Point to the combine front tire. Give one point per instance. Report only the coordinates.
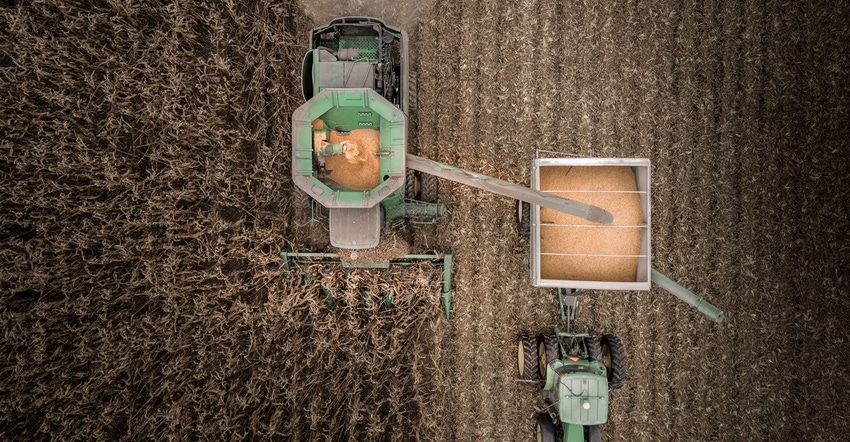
(302, 206)
(527, 357)
(547, 351)
(614, 358)
(545, 428)
(411, 184)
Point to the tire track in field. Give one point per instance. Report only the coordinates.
(436, 83)
(692, 238)
(672, 221)
(495, 152)
(470, 407)
(720, 228)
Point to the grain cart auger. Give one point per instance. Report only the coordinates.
(350, 163)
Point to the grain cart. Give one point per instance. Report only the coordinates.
(572, 255)
(350, 164)
(577, 371)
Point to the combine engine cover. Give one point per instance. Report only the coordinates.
(357, 52)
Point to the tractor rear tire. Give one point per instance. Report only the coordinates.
(592, 433)
(429, 187)
(527, 357)
(614, 357)
(594, 349)
(545, 428)
(523, 218)
(547, 351)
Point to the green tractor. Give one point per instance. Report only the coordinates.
(577, 371)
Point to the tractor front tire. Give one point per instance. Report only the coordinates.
(527, 357)
(592, 433)
(547, 351)
(614, 357)
(545, 428)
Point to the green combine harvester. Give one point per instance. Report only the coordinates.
(350, 163)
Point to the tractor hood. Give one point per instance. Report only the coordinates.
(581, 390)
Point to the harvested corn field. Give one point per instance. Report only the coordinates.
(145, 188)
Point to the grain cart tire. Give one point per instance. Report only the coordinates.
(547, 351)
(592, 433)
(429, 187)
(411, 184)
(527, 357)
(412, 93)
(614, 358)
(594, 349)
(523, 218)
(545, 428)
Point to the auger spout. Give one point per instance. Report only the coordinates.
(501, 187)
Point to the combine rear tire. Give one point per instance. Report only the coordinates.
(412, 93)
(547, 351)
(430, 187)
(614, 358)
(545, 428)
(527, 357)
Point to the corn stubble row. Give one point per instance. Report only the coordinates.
(145, 195)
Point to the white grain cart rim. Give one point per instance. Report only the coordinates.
(642, 278)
